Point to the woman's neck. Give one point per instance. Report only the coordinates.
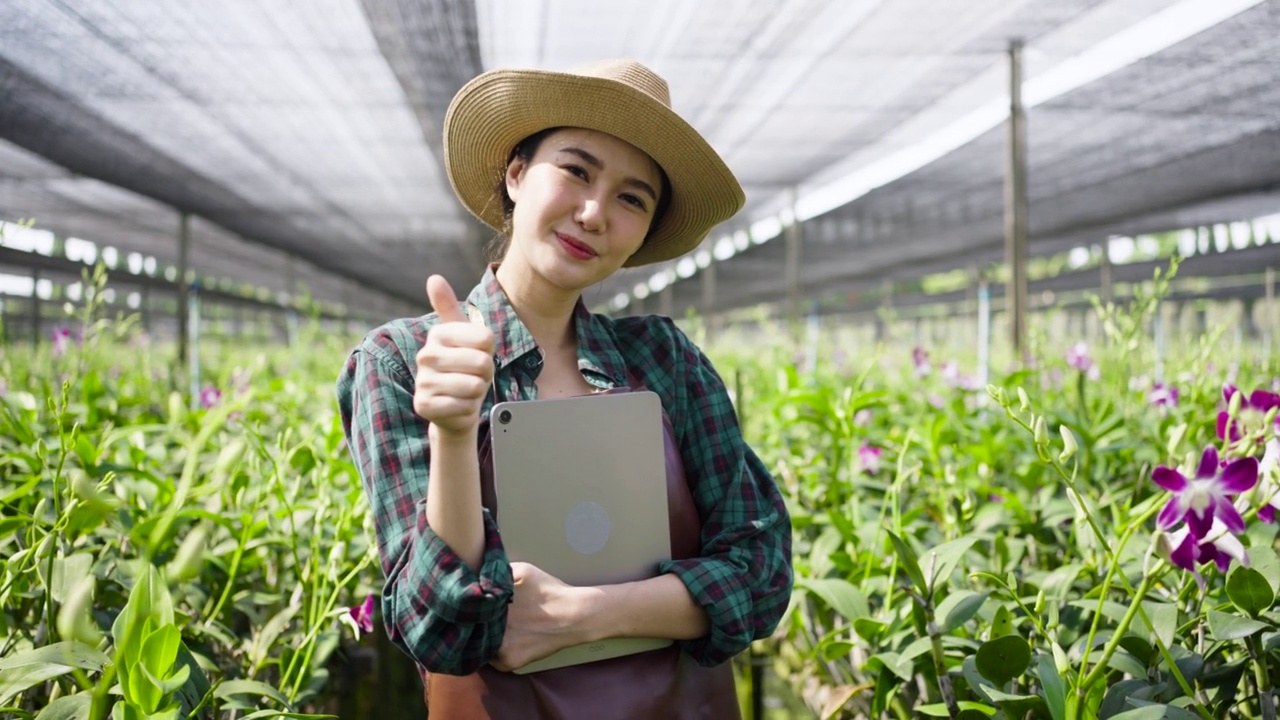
(546, 311)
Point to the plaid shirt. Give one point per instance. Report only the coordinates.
(451, 619)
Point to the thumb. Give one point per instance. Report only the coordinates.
(443, 300)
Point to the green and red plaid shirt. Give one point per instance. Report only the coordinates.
(451, 619)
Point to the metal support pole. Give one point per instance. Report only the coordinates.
(193, 321)
(144, 308)
(1015, 210)
(1105, 281)
(666, 301)
(984, 333)
(1269, 326)
(35, 308)
(184, 294)
(794, 237)
(709, 298)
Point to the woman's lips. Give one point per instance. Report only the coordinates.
(575, 248)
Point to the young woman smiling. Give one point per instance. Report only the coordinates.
(583, 173)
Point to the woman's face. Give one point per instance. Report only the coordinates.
(583, 205)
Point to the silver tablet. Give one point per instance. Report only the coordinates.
(581, 491)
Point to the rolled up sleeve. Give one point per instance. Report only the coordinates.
(743, 577)
(449, 618)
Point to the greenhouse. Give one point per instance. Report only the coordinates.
(973, 387)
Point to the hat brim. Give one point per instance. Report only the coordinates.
(498, 109)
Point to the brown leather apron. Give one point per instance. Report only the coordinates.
(662, 683)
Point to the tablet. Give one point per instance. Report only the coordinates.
(581, 493)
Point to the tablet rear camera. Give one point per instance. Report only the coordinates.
(504, 417)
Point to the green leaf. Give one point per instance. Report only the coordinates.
(168, 685)
(840, 595)
(1003, 659)
(67, 571)
(1264, 560)
(69, 653)
(833, 649)
(265, 714)
(943, 559)
(910, 563)
(266, 637)
(70, 707)
(302, 459)
(868, 629)
(1225, 626)
(1249, 591)
(15, 680)
(248, 687)
(1016, 705)
(160, 649)
(32, 667)
(1150, 712)
(1139, 648)
(940, 709)
(1055, 689)
(1002, 623)
(959, 607)
(1164, 621)
(895, 664)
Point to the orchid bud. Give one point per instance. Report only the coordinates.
(86, 491)
(1233, 406)
(1024, 403)
(997, 394)
(1271, 416)
(1041, 431)
(1069, 446)
(189, 559)
(1175, 438)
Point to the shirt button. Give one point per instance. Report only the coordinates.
(532, 361)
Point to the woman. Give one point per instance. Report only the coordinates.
(584, 172)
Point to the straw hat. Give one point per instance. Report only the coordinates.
(623, 98)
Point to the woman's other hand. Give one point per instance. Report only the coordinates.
(541, 619)
(455, 366)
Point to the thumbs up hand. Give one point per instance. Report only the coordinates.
(455, 366)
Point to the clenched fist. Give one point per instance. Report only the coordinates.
(455, 366)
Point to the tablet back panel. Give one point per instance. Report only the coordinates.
(581, 486)
(582, 493)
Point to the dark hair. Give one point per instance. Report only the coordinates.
(525, 150)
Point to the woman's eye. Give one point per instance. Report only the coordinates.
(634, 200)
(576, 170)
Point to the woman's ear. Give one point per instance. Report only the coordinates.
(515, 176)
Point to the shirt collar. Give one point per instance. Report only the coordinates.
(597, 353)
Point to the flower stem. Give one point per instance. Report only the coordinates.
(1261, 678)
(1113, 644)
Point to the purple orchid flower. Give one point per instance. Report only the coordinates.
(1163, 395)
(61, 341)
(920, 359)
(210, 396)
(363, 614)
(1253, 410)
(869, 459)
(1220, 547)
(1269, 482)
(1078, 358)
(1207, 495)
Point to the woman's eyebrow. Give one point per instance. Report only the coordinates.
(595, 162)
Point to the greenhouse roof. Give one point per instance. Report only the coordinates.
(312, 130)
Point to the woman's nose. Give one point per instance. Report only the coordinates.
(591, 215)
